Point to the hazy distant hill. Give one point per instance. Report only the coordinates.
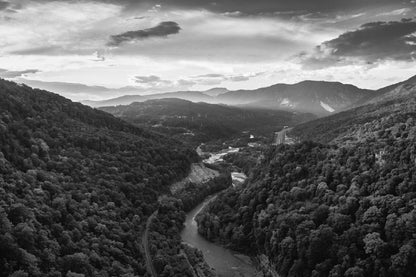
(201, 122)
(216, 91)
(316, 97)
(194, 96)
(309, 96)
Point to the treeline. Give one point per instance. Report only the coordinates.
(76, 186)
(192, 194)
(319, 210)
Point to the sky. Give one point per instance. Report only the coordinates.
(169, 45)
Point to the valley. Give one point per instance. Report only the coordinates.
(232, 199)
(225, 262)
(313, 97)
(192, 138)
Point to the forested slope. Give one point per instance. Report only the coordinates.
(76, 186)
(348, 209)
(202, 122)
(388, 111)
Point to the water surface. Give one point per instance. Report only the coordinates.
(225, 262)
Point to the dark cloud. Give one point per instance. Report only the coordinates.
(268, 6)
(4, 73)
(250, 7)
(163, 29)
(148, 79)
(372, 42)
(4, 5)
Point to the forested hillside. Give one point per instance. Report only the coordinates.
(348, 209)
(76, 186)
(361, 124)
(202, 122)
(389, 111)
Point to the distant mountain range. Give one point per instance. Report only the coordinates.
(194, 96)
(316, 97)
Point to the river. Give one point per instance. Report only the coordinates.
(225, 262)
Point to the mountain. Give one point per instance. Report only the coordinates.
(76, 186)
(315, 97)
(340, 209)
(194, 96)
(215, 91)
(391, 108)
(122, 100)
(201, 122)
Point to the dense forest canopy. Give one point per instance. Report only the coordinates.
(76, 186)
(348, 209)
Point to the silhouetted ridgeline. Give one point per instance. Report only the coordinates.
(76, 186)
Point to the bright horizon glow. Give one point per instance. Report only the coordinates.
(211, 49)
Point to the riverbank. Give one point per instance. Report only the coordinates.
(174, 239)
(199, 184)
(225, 262)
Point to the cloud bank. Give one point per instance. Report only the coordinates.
(371, 43)
(4, 73)
(259, 7)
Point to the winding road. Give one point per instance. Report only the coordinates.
(145, 240)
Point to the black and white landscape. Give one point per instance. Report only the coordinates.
(189, 138)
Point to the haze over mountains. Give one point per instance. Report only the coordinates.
(317, 97)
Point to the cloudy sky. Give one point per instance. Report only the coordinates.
(171, 45)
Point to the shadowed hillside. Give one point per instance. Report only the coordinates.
(77, 186)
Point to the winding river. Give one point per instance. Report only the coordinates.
(225, 262)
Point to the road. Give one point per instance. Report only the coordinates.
(145, 240)
(280, 137)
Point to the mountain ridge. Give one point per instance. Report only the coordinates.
(326, 97)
